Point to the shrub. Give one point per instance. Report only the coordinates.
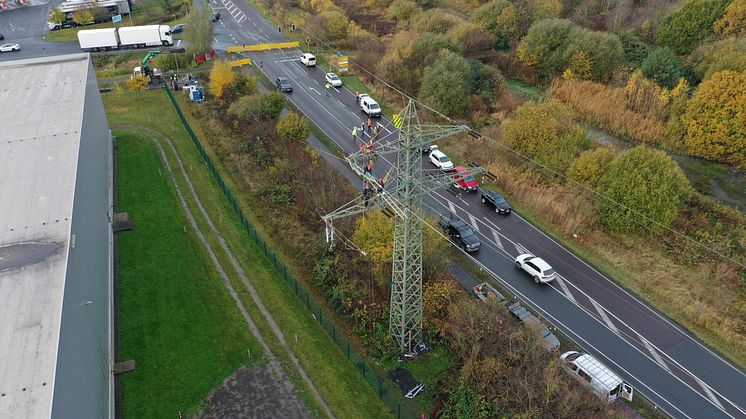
(293, 127)
(445, 84)
(57, 16)
(544, 45)
(635, 48)
(588, 168)
(662, 66)
(682, 29)
(726, 54)
(137, 83)
(715, 119)
(336, 25)
(82, 17)
(545, 9)
(486, 81)
(221, 76)
(603, 51)
(645, 188)
(500, 19)
(436, 21)
(244, 85)
(547, 133)
(173, 62)
(733, 22)
(257, 106)
(647, 98)
(403, 10)
(470, 37)
(271, 105)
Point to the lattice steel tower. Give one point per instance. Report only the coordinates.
(403, 197)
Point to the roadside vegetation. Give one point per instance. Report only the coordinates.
(175, 318)
(336, 378)
(662, 75)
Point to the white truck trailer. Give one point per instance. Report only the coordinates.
(145, 36)
(98, 39)
(126, 37)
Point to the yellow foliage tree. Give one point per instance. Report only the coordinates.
(137, 83)
(715, 119)
(221, 76)
(82, 17)
(581, 67)
(733, 22)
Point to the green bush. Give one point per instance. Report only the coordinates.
(257, 106)
(445, 84)
(712, 57)
(588, 168)
(293, 127)
(547, 133)
(662, 66)
(544, 45)
(403, 10)
(336, 24)
(645, 188)
(635, 48)
(436, 21)
(500, 19)
(682, 29)
(604, 50)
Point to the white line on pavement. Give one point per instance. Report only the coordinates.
(497, 240)
(710, 394)
(474, 222)
(565, 289)
(655, 353)
(519, 247)
(452, 207)
(491, 224)
(604, 317)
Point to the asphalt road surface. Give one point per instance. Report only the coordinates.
(26, 26)
(659, 358)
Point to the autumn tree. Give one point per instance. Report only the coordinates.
(545, 9)
(733, 22)
(694, 21)
(445, 84)
(588, 168)
(712, 57)
(403, 10)
(580, 67)
(57, 16)
(436, 297)
(336, 24)
(634, 47)
(602, 50)
(200, 31)
(546, 133)
(137, 83)
(662, 66)
(470, 37)
(500, 19)
(257, 106)
(293, 126)
(715, 119)
(82, 17)
(221, 76)
(435, 21)
(644, 188)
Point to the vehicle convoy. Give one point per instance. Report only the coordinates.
(369, 106)
(125, 37)
(464, 180)
(439, 159)
(536, 267)
(496, 200)
(592, 373)
(460, 232)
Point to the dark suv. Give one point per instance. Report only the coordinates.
(460, 232)
(497, 201)
(284, 84)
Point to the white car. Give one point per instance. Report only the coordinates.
(440, 160)
(536, 267)
(9, 47)
(369, 106)
(309, 60)
(333, 79)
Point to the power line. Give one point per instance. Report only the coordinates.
(573, 182)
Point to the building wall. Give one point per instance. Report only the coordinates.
(83, 378)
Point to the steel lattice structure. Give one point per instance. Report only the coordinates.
(404, 198)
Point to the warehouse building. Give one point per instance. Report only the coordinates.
(56, 341)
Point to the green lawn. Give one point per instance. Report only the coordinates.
(176, 319)
(347, 394)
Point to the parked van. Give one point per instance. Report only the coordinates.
(591, 372)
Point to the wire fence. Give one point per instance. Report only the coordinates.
(387, 392)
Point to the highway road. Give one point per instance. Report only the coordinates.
(659, 358)
(26, 26)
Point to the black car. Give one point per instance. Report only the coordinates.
(496, 200)
(215, 17)
(461, 232)
(177, 28)
(284, 84)
(2, 37)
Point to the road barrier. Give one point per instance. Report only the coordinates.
(263, 47)
(239, 63)
(387, 392)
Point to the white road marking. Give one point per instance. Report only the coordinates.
(491, 224)
(654, 353)
(497, 240)
(710, 394)
(474, 222)
(452, 207)
(314, 90)
(602, 312)
(565, 289)
(520, 248)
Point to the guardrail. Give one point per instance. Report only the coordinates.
(239, 63)
(386, 391)
(263, 47)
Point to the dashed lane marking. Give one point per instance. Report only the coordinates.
(654, 353)
(498, 242)
(602, 312)
(474, 222)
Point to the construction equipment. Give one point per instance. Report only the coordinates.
(153, 75)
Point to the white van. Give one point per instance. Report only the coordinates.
(308, 60)
(369, 106)
(592, 373)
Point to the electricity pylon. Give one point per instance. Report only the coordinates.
(403, 196)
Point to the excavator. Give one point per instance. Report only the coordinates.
(153, 75)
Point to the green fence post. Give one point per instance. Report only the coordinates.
(296, 285)
(380, 387)
(321, 317)
(398, 410)
(348, 349)
(334, 332)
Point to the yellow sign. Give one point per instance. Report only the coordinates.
(344, 63)
(397, 121)
(239, 63)
(263, 47)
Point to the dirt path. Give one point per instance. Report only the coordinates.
(156, 136)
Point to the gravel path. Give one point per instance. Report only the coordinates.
(289, 401)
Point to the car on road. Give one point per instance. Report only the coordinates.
(369, 106)
(9, 47)
(549, 340)
(2, 37)
(284, 85)
(333, 79)
(536, 267)
(215, 17)
(460, 232)
(464, 180)
(440, 160)
(497, 201)
(177, 28)
(308, 60)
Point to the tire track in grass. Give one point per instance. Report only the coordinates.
(234, 262)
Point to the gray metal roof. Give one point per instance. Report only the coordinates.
(40, 140)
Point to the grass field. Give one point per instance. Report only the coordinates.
(176, 319)
(341, 386)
